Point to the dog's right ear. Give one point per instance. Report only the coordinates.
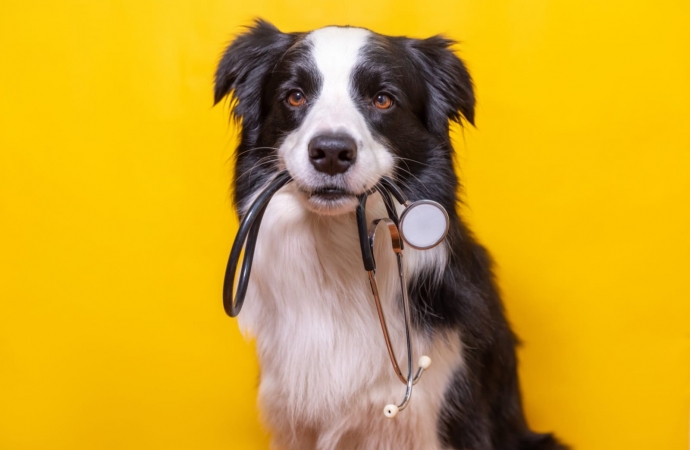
(246, 66)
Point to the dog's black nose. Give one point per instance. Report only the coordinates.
(332, 153)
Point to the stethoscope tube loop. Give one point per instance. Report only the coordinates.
(248, 232)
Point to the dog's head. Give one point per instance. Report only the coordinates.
(341, 107)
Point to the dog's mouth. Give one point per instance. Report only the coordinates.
(330, 194)
(329, 199)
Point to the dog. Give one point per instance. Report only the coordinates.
(338, 108)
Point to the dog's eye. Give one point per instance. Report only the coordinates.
(296, 98)
(383, 101)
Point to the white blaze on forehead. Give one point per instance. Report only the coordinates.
(335, 51)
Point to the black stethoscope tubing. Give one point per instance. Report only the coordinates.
(247, 233)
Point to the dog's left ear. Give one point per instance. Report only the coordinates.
(451, 94)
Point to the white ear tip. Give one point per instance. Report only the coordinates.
(390, 411)
(424, 362)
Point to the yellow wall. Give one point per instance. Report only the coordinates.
(115, 221)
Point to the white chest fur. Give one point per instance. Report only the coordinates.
(325, 372)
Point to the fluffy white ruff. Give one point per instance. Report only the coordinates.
(325, 372)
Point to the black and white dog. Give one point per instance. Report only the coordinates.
(339, 108)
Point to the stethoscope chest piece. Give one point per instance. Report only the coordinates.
(424, 224)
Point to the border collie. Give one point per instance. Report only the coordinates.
(340, 107)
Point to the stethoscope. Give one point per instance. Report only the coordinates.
(422, 225)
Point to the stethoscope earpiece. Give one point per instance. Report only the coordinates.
(422, 225)
(391, 411)
(424, 362)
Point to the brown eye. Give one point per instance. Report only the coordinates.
(296, 98)
(382, 101)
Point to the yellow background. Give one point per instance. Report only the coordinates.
(115, 220)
